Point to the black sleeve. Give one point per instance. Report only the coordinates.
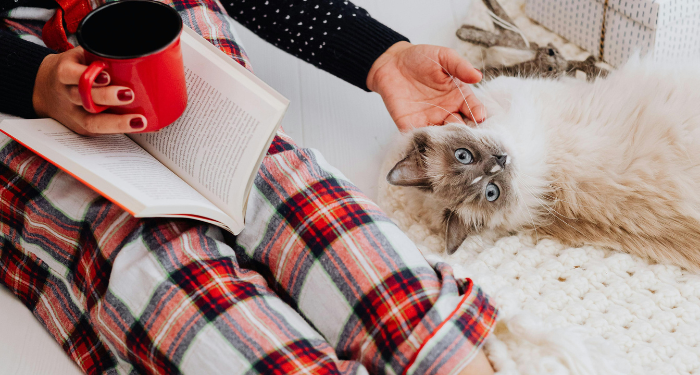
(19, 64)
(334, 35)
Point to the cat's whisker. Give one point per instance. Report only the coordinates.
(459, 120)
(454, 80)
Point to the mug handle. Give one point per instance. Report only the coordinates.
(85, 86)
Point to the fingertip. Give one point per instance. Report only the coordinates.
(102, 79)
(480, 114)
(137, 123)
(476, 113)
(465, 71)
(471, 75)
(125, 95)
(481, 75)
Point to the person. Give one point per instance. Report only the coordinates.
(319, 281)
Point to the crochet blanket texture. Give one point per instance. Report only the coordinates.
(569, 310)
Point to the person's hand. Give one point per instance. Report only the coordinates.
(417, 90)
(56, 95)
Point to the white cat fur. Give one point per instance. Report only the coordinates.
(582, 149)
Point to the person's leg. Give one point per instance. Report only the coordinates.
(333, 255)
(125, 295)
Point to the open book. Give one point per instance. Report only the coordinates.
(202, 166)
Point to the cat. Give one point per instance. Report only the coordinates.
(614, 162)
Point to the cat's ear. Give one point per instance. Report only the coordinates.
(456, 231)
(409, 172)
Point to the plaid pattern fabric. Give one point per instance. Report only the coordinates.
(333, 255)
(320, 280)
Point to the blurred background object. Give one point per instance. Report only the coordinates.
(615, 29)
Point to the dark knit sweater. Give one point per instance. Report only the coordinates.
(336, 36)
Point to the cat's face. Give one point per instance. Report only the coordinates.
(467, 169)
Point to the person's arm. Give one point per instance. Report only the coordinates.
(336, 35)
(19, 64)
(37, 82)
(420, 84)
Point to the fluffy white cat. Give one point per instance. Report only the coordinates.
(614, 162)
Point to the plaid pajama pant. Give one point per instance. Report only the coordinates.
(320, 281)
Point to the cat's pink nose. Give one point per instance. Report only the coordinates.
(501, 160)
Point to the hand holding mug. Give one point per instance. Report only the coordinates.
(56, 95)
(142, 61)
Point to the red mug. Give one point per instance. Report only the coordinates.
(137, 42)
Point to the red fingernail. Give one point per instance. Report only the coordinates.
(482, 74)
(102, 78)
(125, 95)
(136, 123)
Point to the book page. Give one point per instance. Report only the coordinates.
(144, 176)
(116, 167)
(214, 120)
(217, 145)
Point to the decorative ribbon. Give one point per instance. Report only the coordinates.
(70, 13)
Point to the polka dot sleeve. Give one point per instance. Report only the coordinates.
(334, 35)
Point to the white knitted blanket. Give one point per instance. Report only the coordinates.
(565, 310)
(568, 310)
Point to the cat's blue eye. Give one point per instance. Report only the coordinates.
(492, 192)
(464, 156)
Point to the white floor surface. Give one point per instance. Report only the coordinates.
(349, 126)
